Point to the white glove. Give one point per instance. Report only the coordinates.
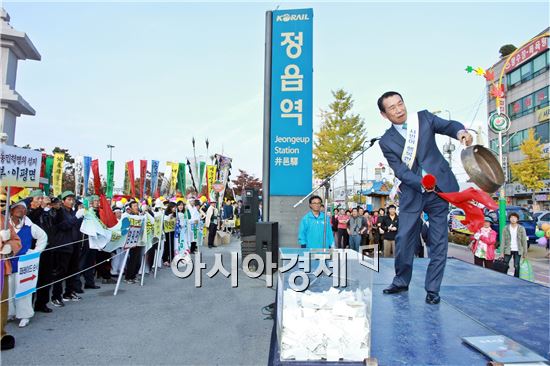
(6, 249)
(477, 236)
(80, 213)
(5, 235)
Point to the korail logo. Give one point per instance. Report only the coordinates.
(291, 17)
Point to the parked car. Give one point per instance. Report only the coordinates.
(525, 220)
(542, 217)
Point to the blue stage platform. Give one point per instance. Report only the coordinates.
(475, 302)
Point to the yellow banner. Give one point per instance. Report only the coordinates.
(58, 159)
(210, 179)
(543, 114)
(173, 184)
(169, 225)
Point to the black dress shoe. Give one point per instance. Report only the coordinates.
(8, 342)
(94, 287)
(395, 289)
(79, 291)
(432, 299)
(43, 309)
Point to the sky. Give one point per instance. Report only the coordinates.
(147, 77)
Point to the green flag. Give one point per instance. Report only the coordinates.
(48, 174)
(110, 178)
(201, 174)
(181, 177)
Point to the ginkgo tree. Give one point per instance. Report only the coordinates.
(342, 134)
(534, 168)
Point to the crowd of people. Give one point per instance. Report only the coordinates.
(356, 227)
(68, 265)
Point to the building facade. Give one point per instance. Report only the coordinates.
(526, 84)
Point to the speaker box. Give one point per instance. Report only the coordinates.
(267, 240)
(250, 212)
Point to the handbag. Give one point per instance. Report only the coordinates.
(500, 265)
(526, 271)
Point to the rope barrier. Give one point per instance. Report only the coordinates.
(72, 275)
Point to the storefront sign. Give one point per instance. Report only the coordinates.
(527, 52)
(543, 114)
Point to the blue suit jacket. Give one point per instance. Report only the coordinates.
(428, 157)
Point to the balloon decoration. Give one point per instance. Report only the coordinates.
(545, 227)
(542, 241)
(539, 233)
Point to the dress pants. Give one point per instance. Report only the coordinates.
(45, 272)
(87, 260)
(212, 229)
(60, 270)
(4, 305)
(134, 262)
(408, 237)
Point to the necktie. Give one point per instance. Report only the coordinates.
(404, 126)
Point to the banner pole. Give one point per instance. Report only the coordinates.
(143, 266)
(121, 272)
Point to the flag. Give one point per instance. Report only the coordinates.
(110, 178)
(48, 174)
(181, 178)
(166, 179)
(106, 214)
(78, 170)
(142, 178)
(210, 179)
(58, 159)
(87, 165)
(154, 177)
(97, 179)
(202, 171)
(174, 181)
(131, 179)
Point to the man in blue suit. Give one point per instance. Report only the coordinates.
(413, 197)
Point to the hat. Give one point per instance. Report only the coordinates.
(67, 194)
(487, 219)
(18, 203)
(36, 193)
(93, 197)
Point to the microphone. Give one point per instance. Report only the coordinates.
(372, 141)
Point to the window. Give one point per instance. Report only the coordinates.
(514, 109)
(526, 71)
(514, 77)
(539, 63)
(527, 104)
(529, 70)
(541, 97)
(517, 140)
(545, 217)
(542, 133)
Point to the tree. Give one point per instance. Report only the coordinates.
(245, 180)
(534, 168)
(506, 50)
(341, 135)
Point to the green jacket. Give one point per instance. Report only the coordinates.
(507, 240)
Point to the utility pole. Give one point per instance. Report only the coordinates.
(110, 147)
(448, 147)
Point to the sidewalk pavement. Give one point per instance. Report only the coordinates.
(537, 257)
(168, 321)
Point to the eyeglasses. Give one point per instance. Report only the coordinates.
(315, 203)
